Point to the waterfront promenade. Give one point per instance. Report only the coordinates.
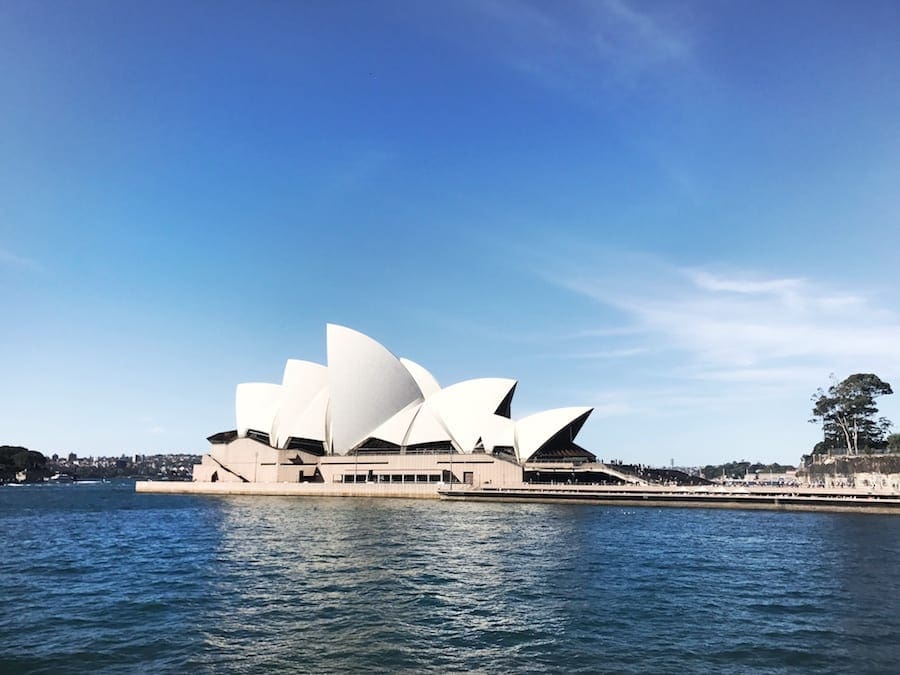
(712, 496)
(707, 496)
(400, 490)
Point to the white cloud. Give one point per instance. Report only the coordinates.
(742, 327)
(732, 355)
(708, 281)
(623, 353)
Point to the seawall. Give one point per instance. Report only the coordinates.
(771, 498)
(768, 498)
(396, 490)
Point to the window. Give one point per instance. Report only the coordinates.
(435, 448)
(307, 445)
(260, 436)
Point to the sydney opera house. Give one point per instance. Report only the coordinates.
(371, 417)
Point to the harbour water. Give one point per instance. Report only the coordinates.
(97, 578)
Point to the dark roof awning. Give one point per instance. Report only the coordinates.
(223, 436)
(568, 451)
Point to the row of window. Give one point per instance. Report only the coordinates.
(392, 478)
(376, 446)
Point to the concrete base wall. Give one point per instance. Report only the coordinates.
(878, 472)
(479, 469)
(878, 481)
(403, 491)
(245, 460)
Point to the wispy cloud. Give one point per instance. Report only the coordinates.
(610, 43)
(621, 28)
(746, 327)
(10, 259)
(710, 282)
(600, 354)
(151, 425)
(612, 409)
(609, 331)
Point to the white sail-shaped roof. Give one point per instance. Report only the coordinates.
(534, 431)
(426, 381)
(463, 405)
(303, 381)
(426, 428)
(256, 404)
(367, 384)
(304, 375)
(367, 392)
(496, 430)
(395, 429)
(311, 423)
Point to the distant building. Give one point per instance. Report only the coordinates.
(770, 478)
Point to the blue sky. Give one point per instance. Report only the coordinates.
(686, 215)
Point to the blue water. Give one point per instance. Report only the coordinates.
(97, 578)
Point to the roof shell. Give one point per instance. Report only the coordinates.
(256, 404)
(312, 423)
(497, 431)
(303, 381)
(304, 374)
(534, 431)
(461, 407)
(426, 381)
(368, 385)
(426, 428)
(395, 429)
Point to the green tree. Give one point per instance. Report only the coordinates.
(847, 412)
(893, 443)
(14, 458)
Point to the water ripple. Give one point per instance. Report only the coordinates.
(98, 578)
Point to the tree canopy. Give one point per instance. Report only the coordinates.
(848, 412)
(893, 443)
(14, 458)
(738, 470)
